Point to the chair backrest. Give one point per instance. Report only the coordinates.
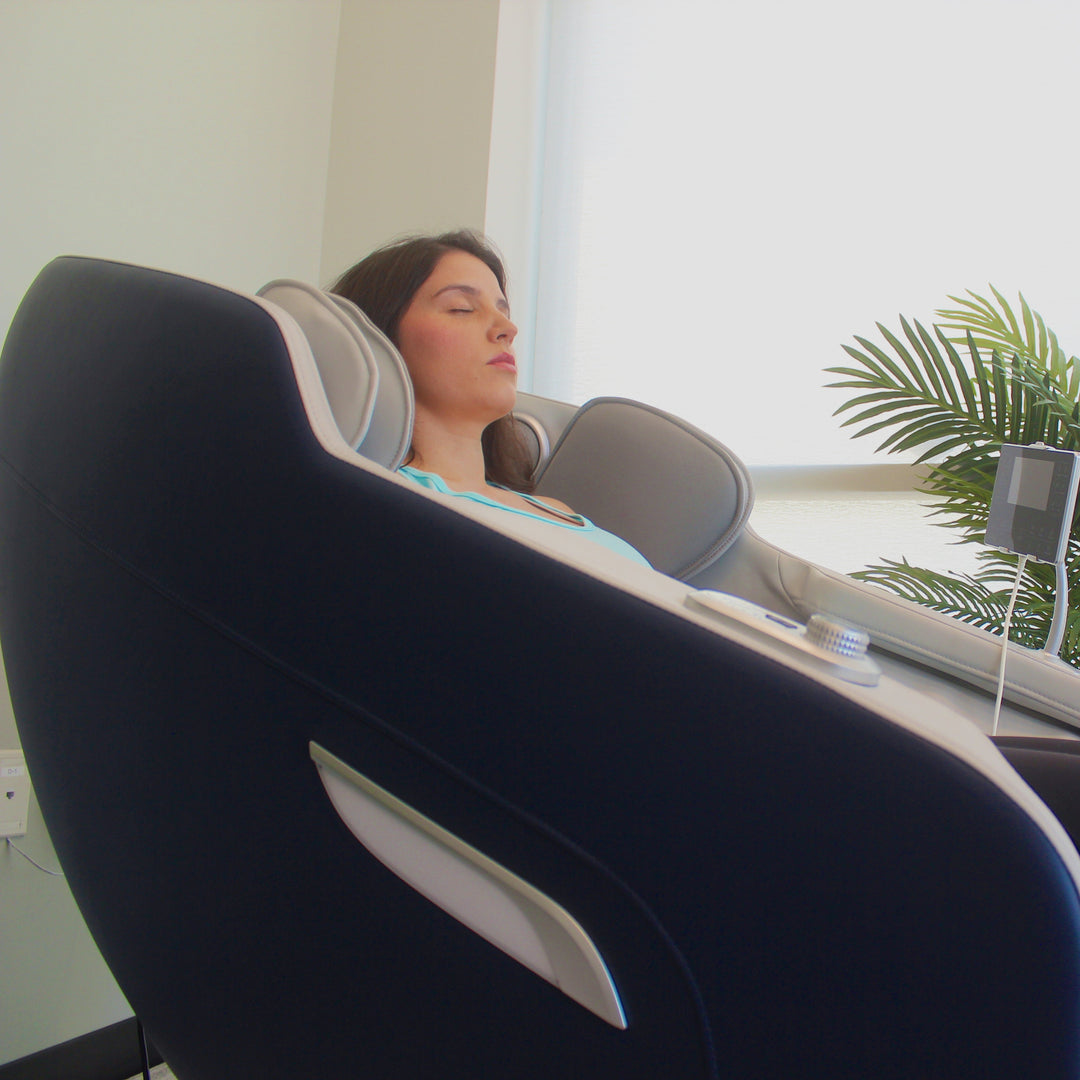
(214, 613)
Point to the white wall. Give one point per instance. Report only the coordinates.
(187, 134)
(412, 122)
(516, 161)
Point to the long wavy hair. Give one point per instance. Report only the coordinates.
(383, 284)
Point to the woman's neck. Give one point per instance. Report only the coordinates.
(456, 454)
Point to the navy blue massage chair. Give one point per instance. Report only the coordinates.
(352, 779)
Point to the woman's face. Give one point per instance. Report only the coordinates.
(458, 342)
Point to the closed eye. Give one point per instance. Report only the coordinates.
(471, 290)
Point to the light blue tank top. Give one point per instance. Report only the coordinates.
(576, 522)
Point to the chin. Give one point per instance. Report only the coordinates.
(503, 404)
(498, 411)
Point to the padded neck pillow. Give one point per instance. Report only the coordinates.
(366, 383)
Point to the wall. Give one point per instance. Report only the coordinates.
(187, 134)
(516, 162)
(192, 135)
(411, 123)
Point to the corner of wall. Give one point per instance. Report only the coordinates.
(411, 125)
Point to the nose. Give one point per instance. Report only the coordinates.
(503, 329)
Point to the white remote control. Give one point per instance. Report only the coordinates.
(836, 648)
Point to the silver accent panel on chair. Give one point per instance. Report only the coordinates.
(390, 435)
(536, 437)
(481, 894)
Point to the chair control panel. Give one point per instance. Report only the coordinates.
(1034, 499)
(830, 645)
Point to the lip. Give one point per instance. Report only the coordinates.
(504, 360)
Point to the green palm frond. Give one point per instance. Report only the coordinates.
(997, 569)
(962, 498)
(997, 329)
(972, 600)
(927, 395)
(962, 597)
(953, 393)
(1057, 410)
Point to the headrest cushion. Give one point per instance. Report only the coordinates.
(365, 380)
(679, 496)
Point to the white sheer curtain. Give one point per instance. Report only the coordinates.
(731, 190)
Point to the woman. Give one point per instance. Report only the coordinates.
(442, 301)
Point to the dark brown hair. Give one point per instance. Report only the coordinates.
(383, 284)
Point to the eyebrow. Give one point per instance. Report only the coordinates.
(471, 290)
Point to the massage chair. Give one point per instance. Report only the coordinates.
(350, 778)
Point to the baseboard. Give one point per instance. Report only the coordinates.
(110, 1053)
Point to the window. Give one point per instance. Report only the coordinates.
(712, 197)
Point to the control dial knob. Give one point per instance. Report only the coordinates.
(835, 637)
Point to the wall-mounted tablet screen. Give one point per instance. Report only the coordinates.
(1034, 498)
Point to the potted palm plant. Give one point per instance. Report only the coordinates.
(979, 376)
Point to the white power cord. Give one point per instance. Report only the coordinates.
(45, 869)
(1005, 642)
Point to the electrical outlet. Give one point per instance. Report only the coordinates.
(14, 793)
